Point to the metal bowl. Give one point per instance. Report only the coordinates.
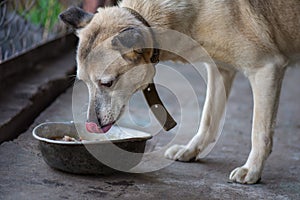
(98, 154)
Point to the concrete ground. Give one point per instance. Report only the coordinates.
(24, 174)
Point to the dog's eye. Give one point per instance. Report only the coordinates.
(107, 84)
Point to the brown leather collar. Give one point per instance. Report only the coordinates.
(150, 93)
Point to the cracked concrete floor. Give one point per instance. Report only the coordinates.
(24, 175)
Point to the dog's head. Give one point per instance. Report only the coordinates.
(112, 60)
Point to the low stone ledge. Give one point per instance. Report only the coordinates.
(29, 94)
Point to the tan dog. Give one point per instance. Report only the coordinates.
(257, 37)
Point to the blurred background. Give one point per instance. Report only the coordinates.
(25, 24)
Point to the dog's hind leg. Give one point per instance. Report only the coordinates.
(219, 84)
(266, 85)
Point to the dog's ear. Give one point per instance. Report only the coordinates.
(130, 43)
(76, 17)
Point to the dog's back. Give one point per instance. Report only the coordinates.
(282, 21)
(256, 27)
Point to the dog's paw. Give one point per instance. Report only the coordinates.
(245, 175)
(181, 153)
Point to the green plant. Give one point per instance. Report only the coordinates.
(44, 13)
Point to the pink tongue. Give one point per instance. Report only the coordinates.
(94, 128)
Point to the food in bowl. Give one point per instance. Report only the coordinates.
(67, 138)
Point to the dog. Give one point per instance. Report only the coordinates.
(259, 38)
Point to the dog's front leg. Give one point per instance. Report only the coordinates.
(219, 84)
(266, 85)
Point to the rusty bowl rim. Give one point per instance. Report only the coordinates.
(146, 136)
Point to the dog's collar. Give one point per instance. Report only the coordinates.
(156, 52)
(150, 93)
